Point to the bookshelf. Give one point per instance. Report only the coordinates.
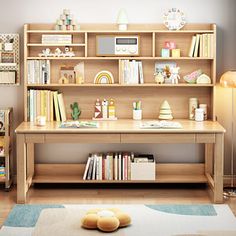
(7, 157)
(124, 130)
(152, 38)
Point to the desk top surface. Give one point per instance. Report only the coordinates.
(122, 126)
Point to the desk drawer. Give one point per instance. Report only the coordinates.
(205, 138)
(82, 138)
(157, 138)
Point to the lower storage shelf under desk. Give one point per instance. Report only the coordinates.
(165, 173)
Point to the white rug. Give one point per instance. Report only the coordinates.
(150, 220)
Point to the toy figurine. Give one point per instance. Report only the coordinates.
(98, 109)
(45, 53)
(63, 80)
(105, 109)
(75, 111)
(68, 52)
(111, 109)
(175, 75)
(58, 52)
(159, 77)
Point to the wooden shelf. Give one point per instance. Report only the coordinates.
(159, 179)
(55, 45)
(118, 85)
(165, 173)
(120, 58)
(120, 32)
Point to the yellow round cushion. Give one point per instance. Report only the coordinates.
(90, 221)
(124, 219)
(108, 224)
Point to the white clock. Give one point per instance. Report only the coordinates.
(174, 19)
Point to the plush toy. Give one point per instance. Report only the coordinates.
(175, 75)
(75, 111)
(107, 220)
(159, 77)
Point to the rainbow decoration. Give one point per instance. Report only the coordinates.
(104, 77)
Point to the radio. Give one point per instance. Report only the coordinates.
(117, 45)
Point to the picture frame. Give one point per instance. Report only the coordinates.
(68, 73)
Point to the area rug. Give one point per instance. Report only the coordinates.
(151, 220)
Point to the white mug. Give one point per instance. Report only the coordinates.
(41, 120)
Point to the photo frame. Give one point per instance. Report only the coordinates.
(67, 73)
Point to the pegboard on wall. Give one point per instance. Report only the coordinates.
(9, 59)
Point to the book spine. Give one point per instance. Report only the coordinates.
(192, 47)
(116, 167)
(86, 169)
(94, 167)
(89, 177)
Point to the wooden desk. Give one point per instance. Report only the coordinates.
(209, 133)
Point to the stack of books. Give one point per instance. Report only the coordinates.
(2, 171)
(202, 45)
(56, 39)
(113, 166)
(131, 72)
(46, 103)
(38, 71)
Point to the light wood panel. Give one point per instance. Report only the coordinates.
(119, 126)
(44, 27)
(165, 173)
(152, 38)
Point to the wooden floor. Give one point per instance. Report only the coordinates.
(114, 195)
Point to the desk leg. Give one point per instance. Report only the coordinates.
(218, 168)
(30, 159)
(21, 168)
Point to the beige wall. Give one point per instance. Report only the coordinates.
(13, 14)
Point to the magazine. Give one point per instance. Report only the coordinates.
(161, 125)
(79, 124)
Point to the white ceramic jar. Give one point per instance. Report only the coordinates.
(199, 114)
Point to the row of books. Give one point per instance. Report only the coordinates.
(112, 166)
(131, 72)
(2, 170)
(46, 103)
(38, 71)
(202, 45)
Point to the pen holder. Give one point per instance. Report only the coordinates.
(137, 114)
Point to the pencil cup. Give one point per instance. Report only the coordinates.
(137, 114)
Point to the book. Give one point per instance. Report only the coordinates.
(141, 78)
(131, 72)
(192, 47)
(90, 169)
(196, 49)
(86, 168)
(56, 107)
(61, 107)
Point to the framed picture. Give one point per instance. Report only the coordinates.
(68, 73)
(7, 57)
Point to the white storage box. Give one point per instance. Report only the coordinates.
(7, 77)
(143, 171)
